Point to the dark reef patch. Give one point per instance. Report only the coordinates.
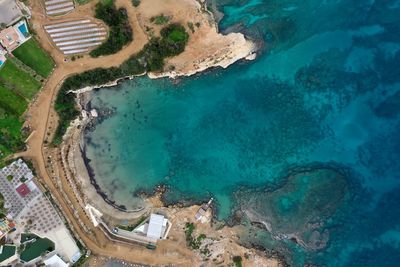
(389, 108)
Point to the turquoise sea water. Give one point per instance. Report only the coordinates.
(304, 141)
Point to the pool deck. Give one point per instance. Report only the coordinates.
(12, 37)
(2, 59)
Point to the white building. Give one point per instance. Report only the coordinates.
(55, 261)
(156, 228)
(26, 203)
(11, 11)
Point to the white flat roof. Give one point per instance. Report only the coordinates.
(155, 226)
(55, 261)
(65, 244)
(9, 11)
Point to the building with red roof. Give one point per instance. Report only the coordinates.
(23, 190)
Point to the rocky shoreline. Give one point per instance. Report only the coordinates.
(220, 237)
(246, 52)
(79, 163)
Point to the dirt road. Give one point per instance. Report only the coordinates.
(206, 48)
(42, 119)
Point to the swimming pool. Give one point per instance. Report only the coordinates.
(23, 29)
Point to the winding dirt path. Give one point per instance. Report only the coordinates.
(206, 48)
(42, 119)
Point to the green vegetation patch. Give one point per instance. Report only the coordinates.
(35, 57)
(3, 211)
(18, 80)
(12, 106)
(10, 137)
(175, 35)
(11, 102)
(120, 29)
(82, 2)
(191, 26)
(7, 252)
(237, 260)
(160, 19)
(192, 241)
(135, 3)
(17, 87)
(172, 42)
(37, 248)
(131, 227)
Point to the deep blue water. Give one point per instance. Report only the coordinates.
(304, 140)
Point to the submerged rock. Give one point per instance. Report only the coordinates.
(300, 208)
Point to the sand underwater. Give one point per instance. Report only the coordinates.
(302, 144)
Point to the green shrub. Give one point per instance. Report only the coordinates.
(174, 39)
(65, 102)
(135, 3)
(191, 241)
(160, 19)
(120, 29)
(189, 231)
(237, 260)
(191, 26)
(132, 227)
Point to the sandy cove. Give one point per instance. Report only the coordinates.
(52, 164)
(206, 48)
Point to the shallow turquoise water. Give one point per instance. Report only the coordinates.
(305, 138)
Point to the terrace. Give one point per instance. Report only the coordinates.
(9, 38)
(15, 192)
(43, 216)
